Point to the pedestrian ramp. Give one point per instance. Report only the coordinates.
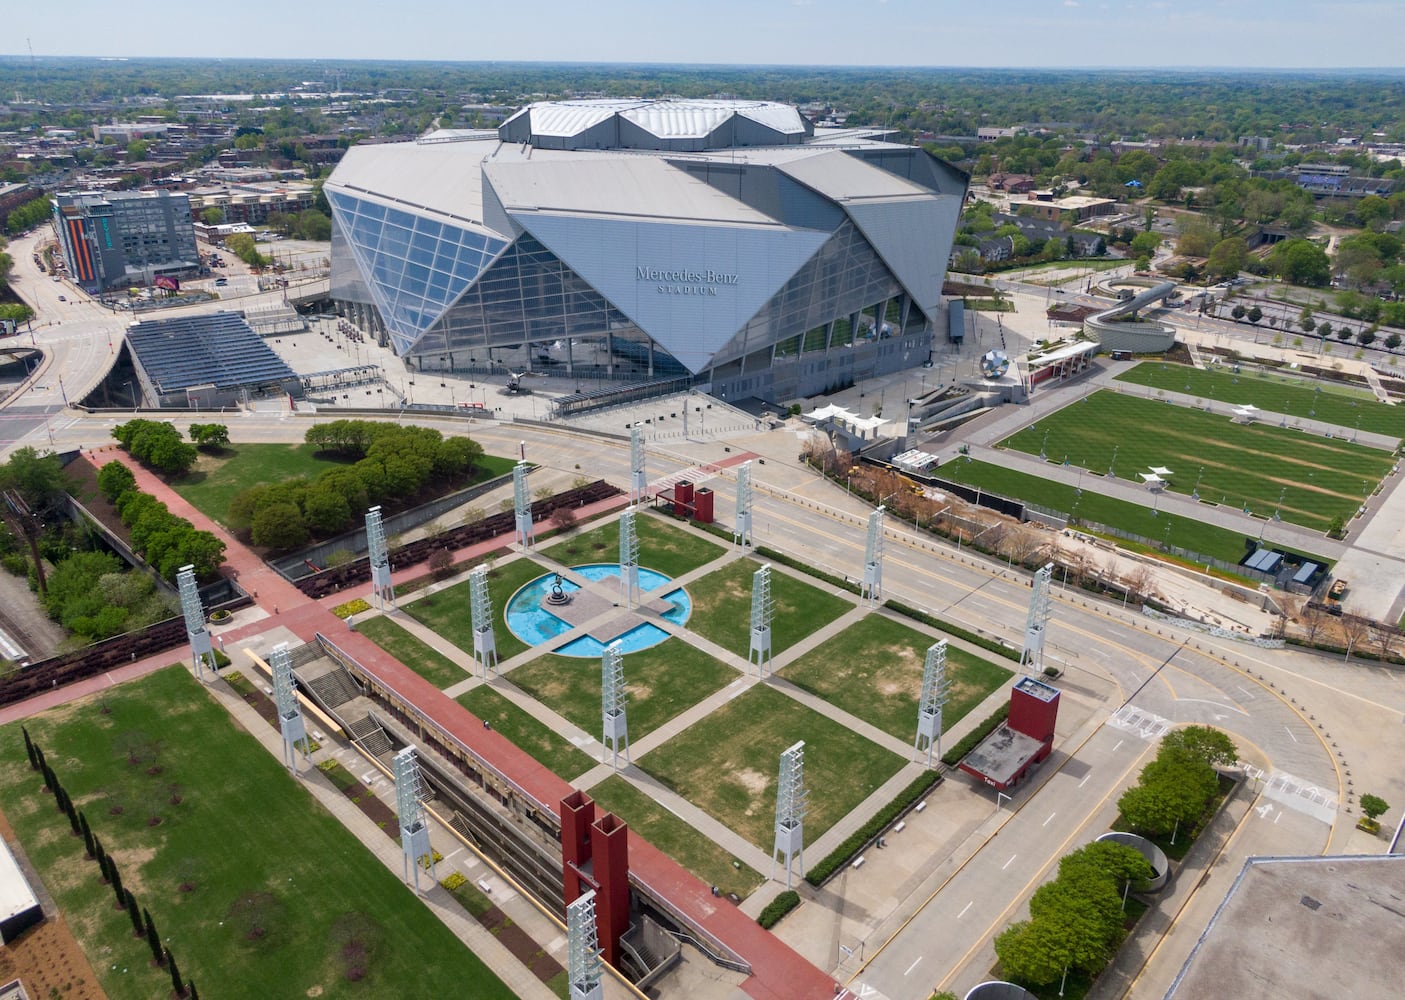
(1294, 793)
(1195, 359)
(1146, 725)
(1374, 381)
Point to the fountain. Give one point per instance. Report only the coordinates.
(557, 597)
(546, 608)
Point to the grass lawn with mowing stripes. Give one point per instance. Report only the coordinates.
(1251, 466)
(674, 837)
(1294, 395)
(218, 478)
(243, 830)
(450, 613)
(424, 660)
(662, 681)
(873, 670)
(529, 735)
(727, 764)
(664, 547)
(722, 607)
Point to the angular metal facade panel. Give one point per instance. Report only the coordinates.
(690, 288)
(908, 235)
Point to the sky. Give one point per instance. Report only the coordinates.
(1291, 34)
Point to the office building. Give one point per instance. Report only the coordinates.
(118, 239)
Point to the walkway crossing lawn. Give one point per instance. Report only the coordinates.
(1294, 395)
(1185, 533)
(677, 839)
(873, 670)
(549, 749)
(259, 892)
(722, 607)
(727, 764)
(450, 614)
(664, 546)
(1251, 465)
(662, 681)
(424, 660)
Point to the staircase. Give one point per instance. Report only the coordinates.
(370, 736)
(333, 688)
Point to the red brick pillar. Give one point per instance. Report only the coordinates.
(577, 816)
(611, 847)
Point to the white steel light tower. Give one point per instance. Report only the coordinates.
(522, 507)
(485, 649)
(1036, 625)
(612, 699)
(382, 591)
(629, 559)
(414, 831)
(638, 484)
(195, 629)
(741, 534)
(792, 802)
(935, 690)
(290, 721)
(873, 558)
(762, 611)
(583, 968)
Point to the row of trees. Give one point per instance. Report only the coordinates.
(391, 464)
(94, 596)
(164, 540)
(1176, 789)
(157, 445)
(142, 924)
(28, 215)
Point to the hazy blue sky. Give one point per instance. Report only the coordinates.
(1223, 33)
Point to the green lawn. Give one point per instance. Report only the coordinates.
(531, 737)
(662, 681)
(674, 837)
(1292, 394)
(873, 670)
(218, 479)
(663, 546)
(1197, 536)
(449, 612)
(246, 841)
(1251, 466)
(727, 764)
(722, 607)
(430, 664)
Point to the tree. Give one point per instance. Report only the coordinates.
(1306, 320)
(133, 913)
(1238, 312)
(441, 562)
(278, 526)
(1227, 258)
(1255, 314)
(1300, 262)
(209, 437)
(30, 750)
(136, 150)
(1355, 629)
(114, 479)
(176, 984)
(1374, 806)
(1145, 244)
(38, 478)
(153, 939)
(1033, 952)
(1204, 743)
(1324, 329)
(212, 216)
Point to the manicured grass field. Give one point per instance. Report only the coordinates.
(727, 764)
(450, 614)
(1291, 394)
(1197, 536)
(662, 681)
(246, 839)
(1243, 465)
(722, 607)
(218, 479)
(530, 736)
(873, 670)
(674, 837)
(663, 546)
(430, 664)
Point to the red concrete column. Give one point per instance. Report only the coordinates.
(577, 816)
(611, 844)
(682, 497)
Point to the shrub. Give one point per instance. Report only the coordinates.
(778, 908)
(441, 562)
(352, 607)
(968, 742)
(455, 880)
(839, 857)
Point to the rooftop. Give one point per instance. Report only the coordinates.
(1000, 755)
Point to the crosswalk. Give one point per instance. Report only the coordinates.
(1144, 724)
(1294, 793)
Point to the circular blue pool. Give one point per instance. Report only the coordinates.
(536, 625)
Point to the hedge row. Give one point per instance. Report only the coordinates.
(993, 645)
(766, 552)
(1356, 652)
(778, 908)
(968, 742)
(859, 839)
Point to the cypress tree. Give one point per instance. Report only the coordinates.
(72, 817)
(99, 853)
(88, 844)
(134, 914)
(194, 993)
(117, 887)
(176, 983)
(152, 938)
(29, 750)
(39, 755)
(50, 782)
(105, 864)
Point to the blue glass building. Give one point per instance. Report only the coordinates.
(726, 242)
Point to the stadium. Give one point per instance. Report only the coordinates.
(725, 245)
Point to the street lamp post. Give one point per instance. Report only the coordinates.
(1112, 466)
(1195, 490)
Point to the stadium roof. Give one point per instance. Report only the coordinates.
(642, 123)
(221, 349)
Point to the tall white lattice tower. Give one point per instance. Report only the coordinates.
(792, 802)
(195, 630)
(525, 535)
(762, 611)
(629, 560)
(638, 483)
(290, 721)
(741, 533)
(935, 690)
(485, 648)
(1037, 623)
(382, 591)
(414, 831)
(873, 558)
(583, 968)
(612, 699)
